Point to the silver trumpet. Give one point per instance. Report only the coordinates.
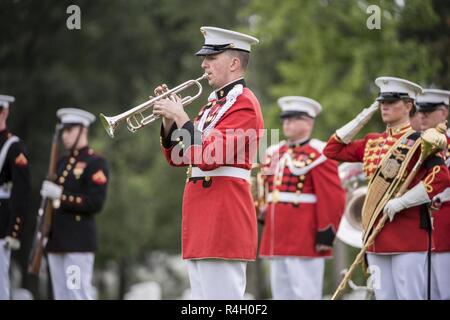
(135, 117)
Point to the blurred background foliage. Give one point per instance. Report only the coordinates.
(320, 49)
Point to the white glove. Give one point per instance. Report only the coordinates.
(12, 243)
(347, 132)
(442, 197)
(414, 197)
(51, 190)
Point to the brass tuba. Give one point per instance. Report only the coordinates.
(350, 229)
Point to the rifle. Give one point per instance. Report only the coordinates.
(45, 212)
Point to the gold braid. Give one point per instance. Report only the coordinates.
(430, 178)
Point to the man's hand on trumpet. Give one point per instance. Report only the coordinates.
(167, 123)
(169, 109)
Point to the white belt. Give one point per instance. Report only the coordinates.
(293, 197)
(5, 191)
(222, 172)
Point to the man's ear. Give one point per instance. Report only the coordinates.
(409, 106)
(235, 64)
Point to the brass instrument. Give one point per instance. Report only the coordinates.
(350, 230)
(353, 180)
(135, 117)
(259, 191)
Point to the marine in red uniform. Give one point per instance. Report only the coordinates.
(305, 204)
(398, 256)
(219, 232)
(433, 107)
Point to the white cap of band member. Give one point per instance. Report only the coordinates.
(392, 89)
(218, 40)
(71, 116)
(430, 99)
(6, 100)
(296, 105)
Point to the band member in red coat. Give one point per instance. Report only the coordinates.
(433, 107)
(305, 204)
(398, 256)
(219, 232)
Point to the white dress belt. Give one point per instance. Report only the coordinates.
(5, 191)
(291, 197)
(222, 172)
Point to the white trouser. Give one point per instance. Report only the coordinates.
(5, 258)
(297, 278)
(217, 279)
(399, 276)
(71, 275)
(440, 276)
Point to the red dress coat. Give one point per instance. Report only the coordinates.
(441, 219)
(407, 232)
(219, 217)
(310, 202)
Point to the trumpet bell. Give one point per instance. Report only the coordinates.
(109, 124)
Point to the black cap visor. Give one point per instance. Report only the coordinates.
(294, 114)
(71, 125)
(392, 96)
(429, 107)
(211, 49)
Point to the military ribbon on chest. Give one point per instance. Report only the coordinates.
(79, 169)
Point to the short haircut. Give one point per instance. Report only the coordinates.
(243, 57)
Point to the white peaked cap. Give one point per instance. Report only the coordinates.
(6, 100)
(218, 40)
(434, 96)
(292, 105)
(75, 116)
(389, 86)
